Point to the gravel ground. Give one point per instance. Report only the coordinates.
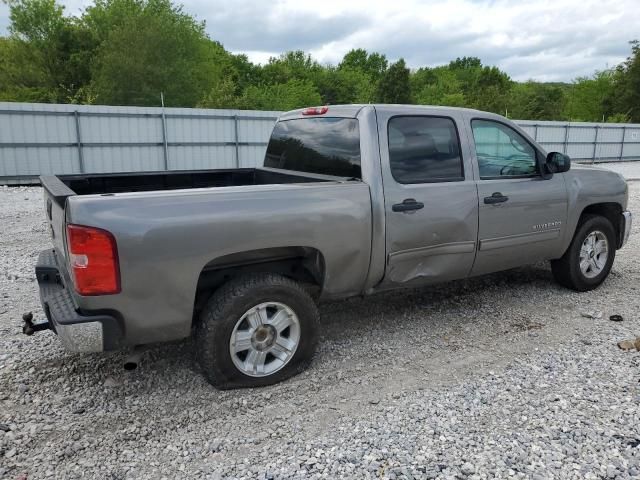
(495, 377)
(630, 170)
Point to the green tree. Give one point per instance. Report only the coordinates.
(537, 101)
(625, 97)
(482, 87)
(490, 90)
(247, 73)
(104, 16)
(465, 63)
(35, 20)
(394, 86)
(466, 70)
(59, 48)
(437, 86)
(373, 64)
(344, 85)
(228, 76)
(223, 94)
(618, 118)
(335, 85)
(588, 98)
(282, 96)
(157, 48)
(22, 78)
(294, 65)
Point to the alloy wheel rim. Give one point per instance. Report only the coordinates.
(594, 253)
(264, 339)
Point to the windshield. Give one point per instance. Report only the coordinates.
(329, 146)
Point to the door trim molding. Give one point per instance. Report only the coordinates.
(519, 239)
(442, 249)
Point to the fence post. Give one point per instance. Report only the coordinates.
(595, 145)
(165, 152)
(235, 126)
(76, 115)
(624, 137)
(566, 139)
(535, 132)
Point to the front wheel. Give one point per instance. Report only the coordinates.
(256, 330)
(588, 260)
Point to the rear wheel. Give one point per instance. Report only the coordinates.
(256, 330)
(588, 260)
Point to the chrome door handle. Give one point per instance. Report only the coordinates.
(497, 197)
(407, 205)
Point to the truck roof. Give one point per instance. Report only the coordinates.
(352, 110)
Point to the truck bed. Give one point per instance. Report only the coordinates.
(91, 184)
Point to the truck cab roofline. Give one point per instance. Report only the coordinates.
(353, 110)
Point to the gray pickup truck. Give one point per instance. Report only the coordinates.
(351, 200)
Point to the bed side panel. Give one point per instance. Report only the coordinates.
(165, 239)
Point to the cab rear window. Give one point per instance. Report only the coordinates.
(328, 146)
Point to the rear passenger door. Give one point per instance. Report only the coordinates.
(431, 203)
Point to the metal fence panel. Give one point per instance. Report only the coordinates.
(579, 134)
(201, 157)
(19, 162)
(631, 145)
(38, 139)
(122, 159)
(120, 129)
(556, 147)
(550, 133)
(610, 134)
(251, 156)
(588, 142)
(198, 130)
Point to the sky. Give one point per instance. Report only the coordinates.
(544, 40)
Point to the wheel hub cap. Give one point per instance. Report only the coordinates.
(593, 254)
(264, 339)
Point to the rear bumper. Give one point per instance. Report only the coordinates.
(627, 220)
(79, 331)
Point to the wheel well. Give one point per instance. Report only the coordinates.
(611, 211)
(303, 264)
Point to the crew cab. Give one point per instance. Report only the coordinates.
(350, 200)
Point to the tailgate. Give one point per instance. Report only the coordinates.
(55, 196)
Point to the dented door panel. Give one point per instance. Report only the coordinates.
(435, 239)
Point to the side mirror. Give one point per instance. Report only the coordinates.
(556, 162)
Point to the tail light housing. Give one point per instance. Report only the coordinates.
(93, 260)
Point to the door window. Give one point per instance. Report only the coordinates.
(424, 149)
(501, 151)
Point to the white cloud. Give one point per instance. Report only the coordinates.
(539, 39)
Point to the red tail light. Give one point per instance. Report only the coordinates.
(93, 260)
(315, 111)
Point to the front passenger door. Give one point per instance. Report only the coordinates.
(522, 216)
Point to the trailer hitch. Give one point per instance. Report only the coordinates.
(29, 328)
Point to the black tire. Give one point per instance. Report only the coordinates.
(566, 270)
(228, 304)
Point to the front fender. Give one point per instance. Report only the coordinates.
(588, 187)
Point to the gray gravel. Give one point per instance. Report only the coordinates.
(629, 170)
(503, 376)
